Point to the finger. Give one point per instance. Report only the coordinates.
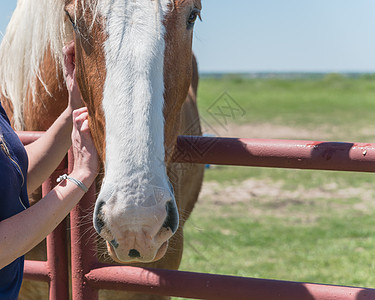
(69, 58)
(80, 118)
(69, 65)
(79, 111)
(68, 48)
(68, 53)
(83, 116)
(85, 126)
(78, 123)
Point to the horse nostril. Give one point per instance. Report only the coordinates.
(98, 221)
(134, 254)
(172, 216)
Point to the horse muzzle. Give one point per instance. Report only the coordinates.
(136, 233)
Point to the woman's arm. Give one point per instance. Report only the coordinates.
(47, 152)
(22, 232)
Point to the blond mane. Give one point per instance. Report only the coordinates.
(35, 27)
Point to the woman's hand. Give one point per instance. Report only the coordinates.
(75, 100)
(86, 163)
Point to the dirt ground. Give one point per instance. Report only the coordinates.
(266, 131)
(268, 196)
(270, 131)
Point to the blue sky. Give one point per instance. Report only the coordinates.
(279, 35)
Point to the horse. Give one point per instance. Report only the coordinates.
(138, 78)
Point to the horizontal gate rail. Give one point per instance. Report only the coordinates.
(37, 270)
(335, 156)
(88, 276)
(208, 286)
(295, 154)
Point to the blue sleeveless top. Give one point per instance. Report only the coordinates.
(13, 198)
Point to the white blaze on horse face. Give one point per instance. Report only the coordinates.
(136, 209)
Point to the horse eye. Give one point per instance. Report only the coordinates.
(193, 17)
(71, 21)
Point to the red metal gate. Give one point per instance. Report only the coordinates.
(88, 275)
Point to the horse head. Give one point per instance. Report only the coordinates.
(133, 63)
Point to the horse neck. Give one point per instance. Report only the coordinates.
(50, 96)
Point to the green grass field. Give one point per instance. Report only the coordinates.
(333, 102)
(297, 225)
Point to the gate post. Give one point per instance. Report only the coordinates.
(57, 253)
(83, 246)
(58, 263)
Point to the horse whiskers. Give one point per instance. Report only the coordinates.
(89, 210)
(201, 255)
(88, 230)
(81, 224)
(84, 220)
(184, 215)
(200, 229)
(86, 217)
(104, 257)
